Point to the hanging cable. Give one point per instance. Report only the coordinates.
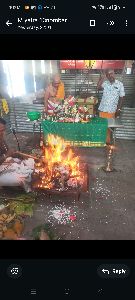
(14, 133)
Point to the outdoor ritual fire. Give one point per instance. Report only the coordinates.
(59, 168)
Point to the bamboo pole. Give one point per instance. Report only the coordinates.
(26, 155)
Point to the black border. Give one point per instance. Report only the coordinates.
(67, 249)
(67, 46)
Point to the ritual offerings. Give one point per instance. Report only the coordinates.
(72, 109)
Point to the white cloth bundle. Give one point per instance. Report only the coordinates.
(17, 173)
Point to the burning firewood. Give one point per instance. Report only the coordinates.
(59, 168)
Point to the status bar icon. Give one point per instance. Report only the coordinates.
(33, 7)
(40, 7)
(27, 7)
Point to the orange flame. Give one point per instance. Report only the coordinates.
(59, 161)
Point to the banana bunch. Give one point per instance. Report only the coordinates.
(4, 107)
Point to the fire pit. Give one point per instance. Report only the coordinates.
(60, 170)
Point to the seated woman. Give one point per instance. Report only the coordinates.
(54, 93)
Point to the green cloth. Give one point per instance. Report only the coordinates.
(94, 132)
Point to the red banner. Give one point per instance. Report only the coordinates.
(97, 64)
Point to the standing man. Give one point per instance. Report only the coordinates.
(54, 92)
(112, 99)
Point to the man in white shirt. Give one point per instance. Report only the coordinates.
(112, 99)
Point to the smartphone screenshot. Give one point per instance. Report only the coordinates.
(67, 144)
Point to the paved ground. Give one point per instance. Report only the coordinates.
(108, 213)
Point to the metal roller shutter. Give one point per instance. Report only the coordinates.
(128, 120)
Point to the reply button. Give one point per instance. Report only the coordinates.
(113, 271)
